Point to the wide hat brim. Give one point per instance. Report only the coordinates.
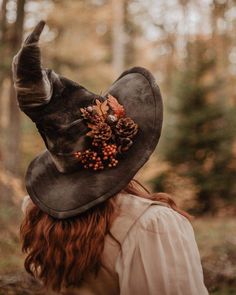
(64, 195)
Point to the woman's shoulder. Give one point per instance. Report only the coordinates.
(139, 214)
(152, 210)
(158, 225)
(163, 219)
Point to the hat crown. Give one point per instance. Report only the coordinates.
(60, 122)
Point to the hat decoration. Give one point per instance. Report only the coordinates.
(111, 134)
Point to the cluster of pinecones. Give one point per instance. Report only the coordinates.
(124, 129)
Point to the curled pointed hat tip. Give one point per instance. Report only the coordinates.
(41, 25)
(34, 36)
(39, 28)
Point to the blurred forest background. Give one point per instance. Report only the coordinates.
(190, 47)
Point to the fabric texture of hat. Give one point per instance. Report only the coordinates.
(94, 144)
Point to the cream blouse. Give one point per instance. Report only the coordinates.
(158, 254)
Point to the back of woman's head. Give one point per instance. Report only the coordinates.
(61, 251)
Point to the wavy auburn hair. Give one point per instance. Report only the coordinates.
(61, 252)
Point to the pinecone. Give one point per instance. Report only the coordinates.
(126, 128)
(100, 133)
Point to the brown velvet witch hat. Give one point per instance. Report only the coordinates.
(95, 144)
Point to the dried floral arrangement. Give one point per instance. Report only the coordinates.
(111, 133)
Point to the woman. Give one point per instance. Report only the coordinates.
(89, 226)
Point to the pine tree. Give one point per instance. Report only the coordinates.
(200, 144)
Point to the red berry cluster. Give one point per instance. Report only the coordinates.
(90, 159)
(109, 152)
(98, 160)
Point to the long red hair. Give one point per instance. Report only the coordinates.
(61, 252)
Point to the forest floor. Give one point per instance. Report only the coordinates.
(215, 237)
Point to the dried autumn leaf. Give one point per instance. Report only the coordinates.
(104, 107)
(117, 108)
(101, 108)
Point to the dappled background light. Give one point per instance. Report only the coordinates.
(190, 47)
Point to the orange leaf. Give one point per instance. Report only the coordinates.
(101, 108)
(104, 107)
(117, 108)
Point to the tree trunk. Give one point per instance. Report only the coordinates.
(3, 74)
(118, 35)
(3, 23)
(13, 131)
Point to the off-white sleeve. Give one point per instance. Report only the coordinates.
(160, 256)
